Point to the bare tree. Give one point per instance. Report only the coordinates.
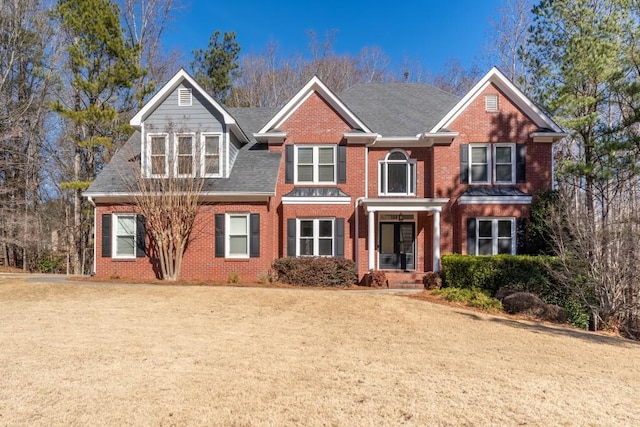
(508, 39)
(168, 197)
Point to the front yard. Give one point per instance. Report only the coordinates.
(88, 354)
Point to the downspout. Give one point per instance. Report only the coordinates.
(95, 231)
(355, 240)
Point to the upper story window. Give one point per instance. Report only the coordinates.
(315, 164)
(158, 154)
(185, 154)
(211, 152)
(179, 155)
(397, 174)
(490, 163)
(184, 97)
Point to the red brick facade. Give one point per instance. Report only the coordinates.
(315, 121)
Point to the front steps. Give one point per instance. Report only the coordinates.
(405, 279)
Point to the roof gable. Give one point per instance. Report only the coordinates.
(180, 77)
(315, 85)
(494, 76)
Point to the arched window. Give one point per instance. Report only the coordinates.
(397, 174)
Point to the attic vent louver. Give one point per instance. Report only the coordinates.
(184, 97)
(491, 103)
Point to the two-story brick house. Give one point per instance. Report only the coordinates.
(390, 175)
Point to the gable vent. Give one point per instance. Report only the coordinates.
(491, 103)
(184, 97)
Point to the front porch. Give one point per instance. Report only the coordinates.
(393, 229)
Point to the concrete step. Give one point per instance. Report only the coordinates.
(405, 279)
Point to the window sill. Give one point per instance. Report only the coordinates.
(247, 259)
(123, 259)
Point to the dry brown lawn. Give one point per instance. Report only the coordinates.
(91, 354)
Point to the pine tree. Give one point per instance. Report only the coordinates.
(215, 67)
(102, 70)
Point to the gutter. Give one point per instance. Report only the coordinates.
(95, 224)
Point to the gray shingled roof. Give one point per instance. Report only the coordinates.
(245, 177)
(398, 109)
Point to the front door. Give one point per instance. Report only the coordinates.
(397, 246)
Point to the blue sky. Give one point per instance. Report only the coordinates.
(428, 31)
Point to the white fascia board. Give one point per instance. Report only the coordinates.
(360, 137)
(403, 204)
(205, 196)
(439, 138)
(314, 85)
(400, 141)
(271, 137)
(316, 200)
(547, 136)
(512, 92)
(494, 200)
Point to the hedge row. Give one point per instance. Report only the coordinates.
(308, 271)
(516, 272)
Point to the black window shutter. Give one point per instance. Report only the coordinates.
(464, 163)
(471, 236)
(291, 237)
(254, 251)
(521, 236)
(288, 164)
(141, 233)
(219, 224)
(106, 235)
(521, 163)
(338, 233)
(342, 164)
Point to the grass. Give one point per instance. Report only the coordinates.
(90, 354)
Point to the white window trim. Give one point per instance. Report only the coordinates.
(513, 163)
(494, 233)
(412, 168)
(185, 90)
(227, 234)
(316, 236)
(316, 164)
(148, 155)
(203, 153)
(176, 155)
(114, 236)
(489, 152)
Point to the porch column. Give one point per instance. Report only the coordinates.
(372, 240)
(436, 240)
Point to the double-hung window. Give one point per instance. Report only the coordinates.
(124, 235)
(237, 235)
(185, 151)
(315, 237)
(504, 163)
(397, 174)
(315, 164)
(492, 163)
(158, 146)
(210, 149)
(479, 165)
(495, 236)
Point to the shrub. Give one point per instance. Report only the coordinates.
(473, 297)
(504, 274)
(377, 279)
(233, 278)
(523, 302)
(432, 280)
(48, 263)
(310, 271)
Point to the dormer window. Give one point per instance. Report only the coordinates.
(185, 154)
(184, 97)
(397, 175)
(211, 152)
(491, 103)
